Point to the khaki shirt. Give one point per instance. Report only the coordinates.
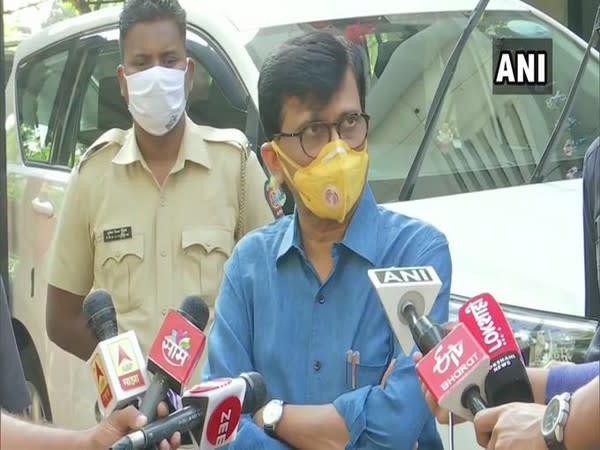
(151, 246)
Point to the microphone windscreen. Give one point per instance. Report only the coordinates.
(98, 307)
(196, 311)
(510, 384)
(256, 392)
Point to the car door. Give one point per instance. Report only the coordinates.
(35, 106)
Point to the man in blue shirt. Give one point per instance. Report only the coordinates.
(296, 303)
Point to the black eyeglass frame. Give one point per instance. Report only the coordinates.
(329, 125)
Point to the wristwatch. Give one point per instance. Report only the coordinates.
(554, 421)
(272, 415)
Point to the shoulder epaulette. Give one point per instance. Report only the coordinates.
(231, 136)
(113, 136)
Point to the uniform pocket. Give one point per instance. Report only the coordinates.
(117, 270)
(206, 251)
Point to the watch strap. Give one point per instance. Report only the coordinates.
(555, 439)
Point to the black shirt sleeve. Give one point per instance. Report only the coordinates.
(591, 229)
(14, 396)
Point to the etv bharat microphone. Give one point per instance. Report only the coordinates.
(175, 352)
(117, 364)
(454, 365)
(507, 380)
(211, 413)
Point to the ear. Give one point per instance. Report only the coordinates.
(122, 82)
(272, 162)
(189, 76)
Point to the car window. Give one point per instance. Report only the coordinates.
(103, 107)
(481, 141)
(38, 83)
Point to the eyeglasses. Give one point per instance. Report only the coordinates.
(352, 128)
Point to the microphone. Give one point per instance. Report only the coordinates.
(408, 288)
(211, 413)
(117, 364)
(454, 365)
(507, 380)
(175, 352)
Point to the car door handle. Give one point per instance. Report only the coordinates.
(43, 207)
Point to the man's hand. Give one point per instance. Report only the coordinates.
(440, 414)
(122, 422)
(515, 426)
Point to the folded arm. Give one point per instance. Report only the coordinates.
(368, 417)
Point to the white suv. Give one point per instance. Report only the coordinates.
(522, 242)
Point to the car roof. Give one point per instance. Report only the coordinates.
(248, 16)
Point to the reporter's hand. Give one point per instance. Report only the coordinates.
(440, 414)
(122, 422)
(514, 426)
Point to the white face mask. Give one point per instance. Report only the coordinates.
(157, 98)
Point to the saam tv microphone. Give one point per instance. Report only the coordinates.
(454, 365)
(507, 380)
(117, 364)
(175, 352)
(211, 413)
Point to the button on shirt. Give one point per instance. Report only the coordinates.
(274, 316)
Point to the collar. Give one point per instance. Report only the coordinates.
(192, 148)
(291, 238)
(359, 237)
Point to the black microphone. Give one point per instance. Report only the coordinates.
(507, 380)
(117, 364)
(175, 352)
(99, 308)
(211, 413)
(425, 333)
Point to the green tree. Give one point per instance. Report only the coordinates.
(86, 6)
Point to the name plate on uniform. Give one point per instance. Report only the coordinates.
(117, 234)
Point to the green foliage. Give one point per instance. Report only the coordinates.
(34, 151)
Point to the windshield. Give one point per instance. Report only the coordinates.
(482, 141)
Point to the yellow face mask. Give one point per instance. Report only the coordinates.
(331, 184)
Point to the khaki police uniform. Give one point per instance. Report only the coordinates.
(151, 246)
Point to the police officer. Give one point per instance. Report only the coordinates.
(151, 214)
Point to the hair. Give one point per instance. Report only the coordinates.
(136, 11)
(310, 67)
